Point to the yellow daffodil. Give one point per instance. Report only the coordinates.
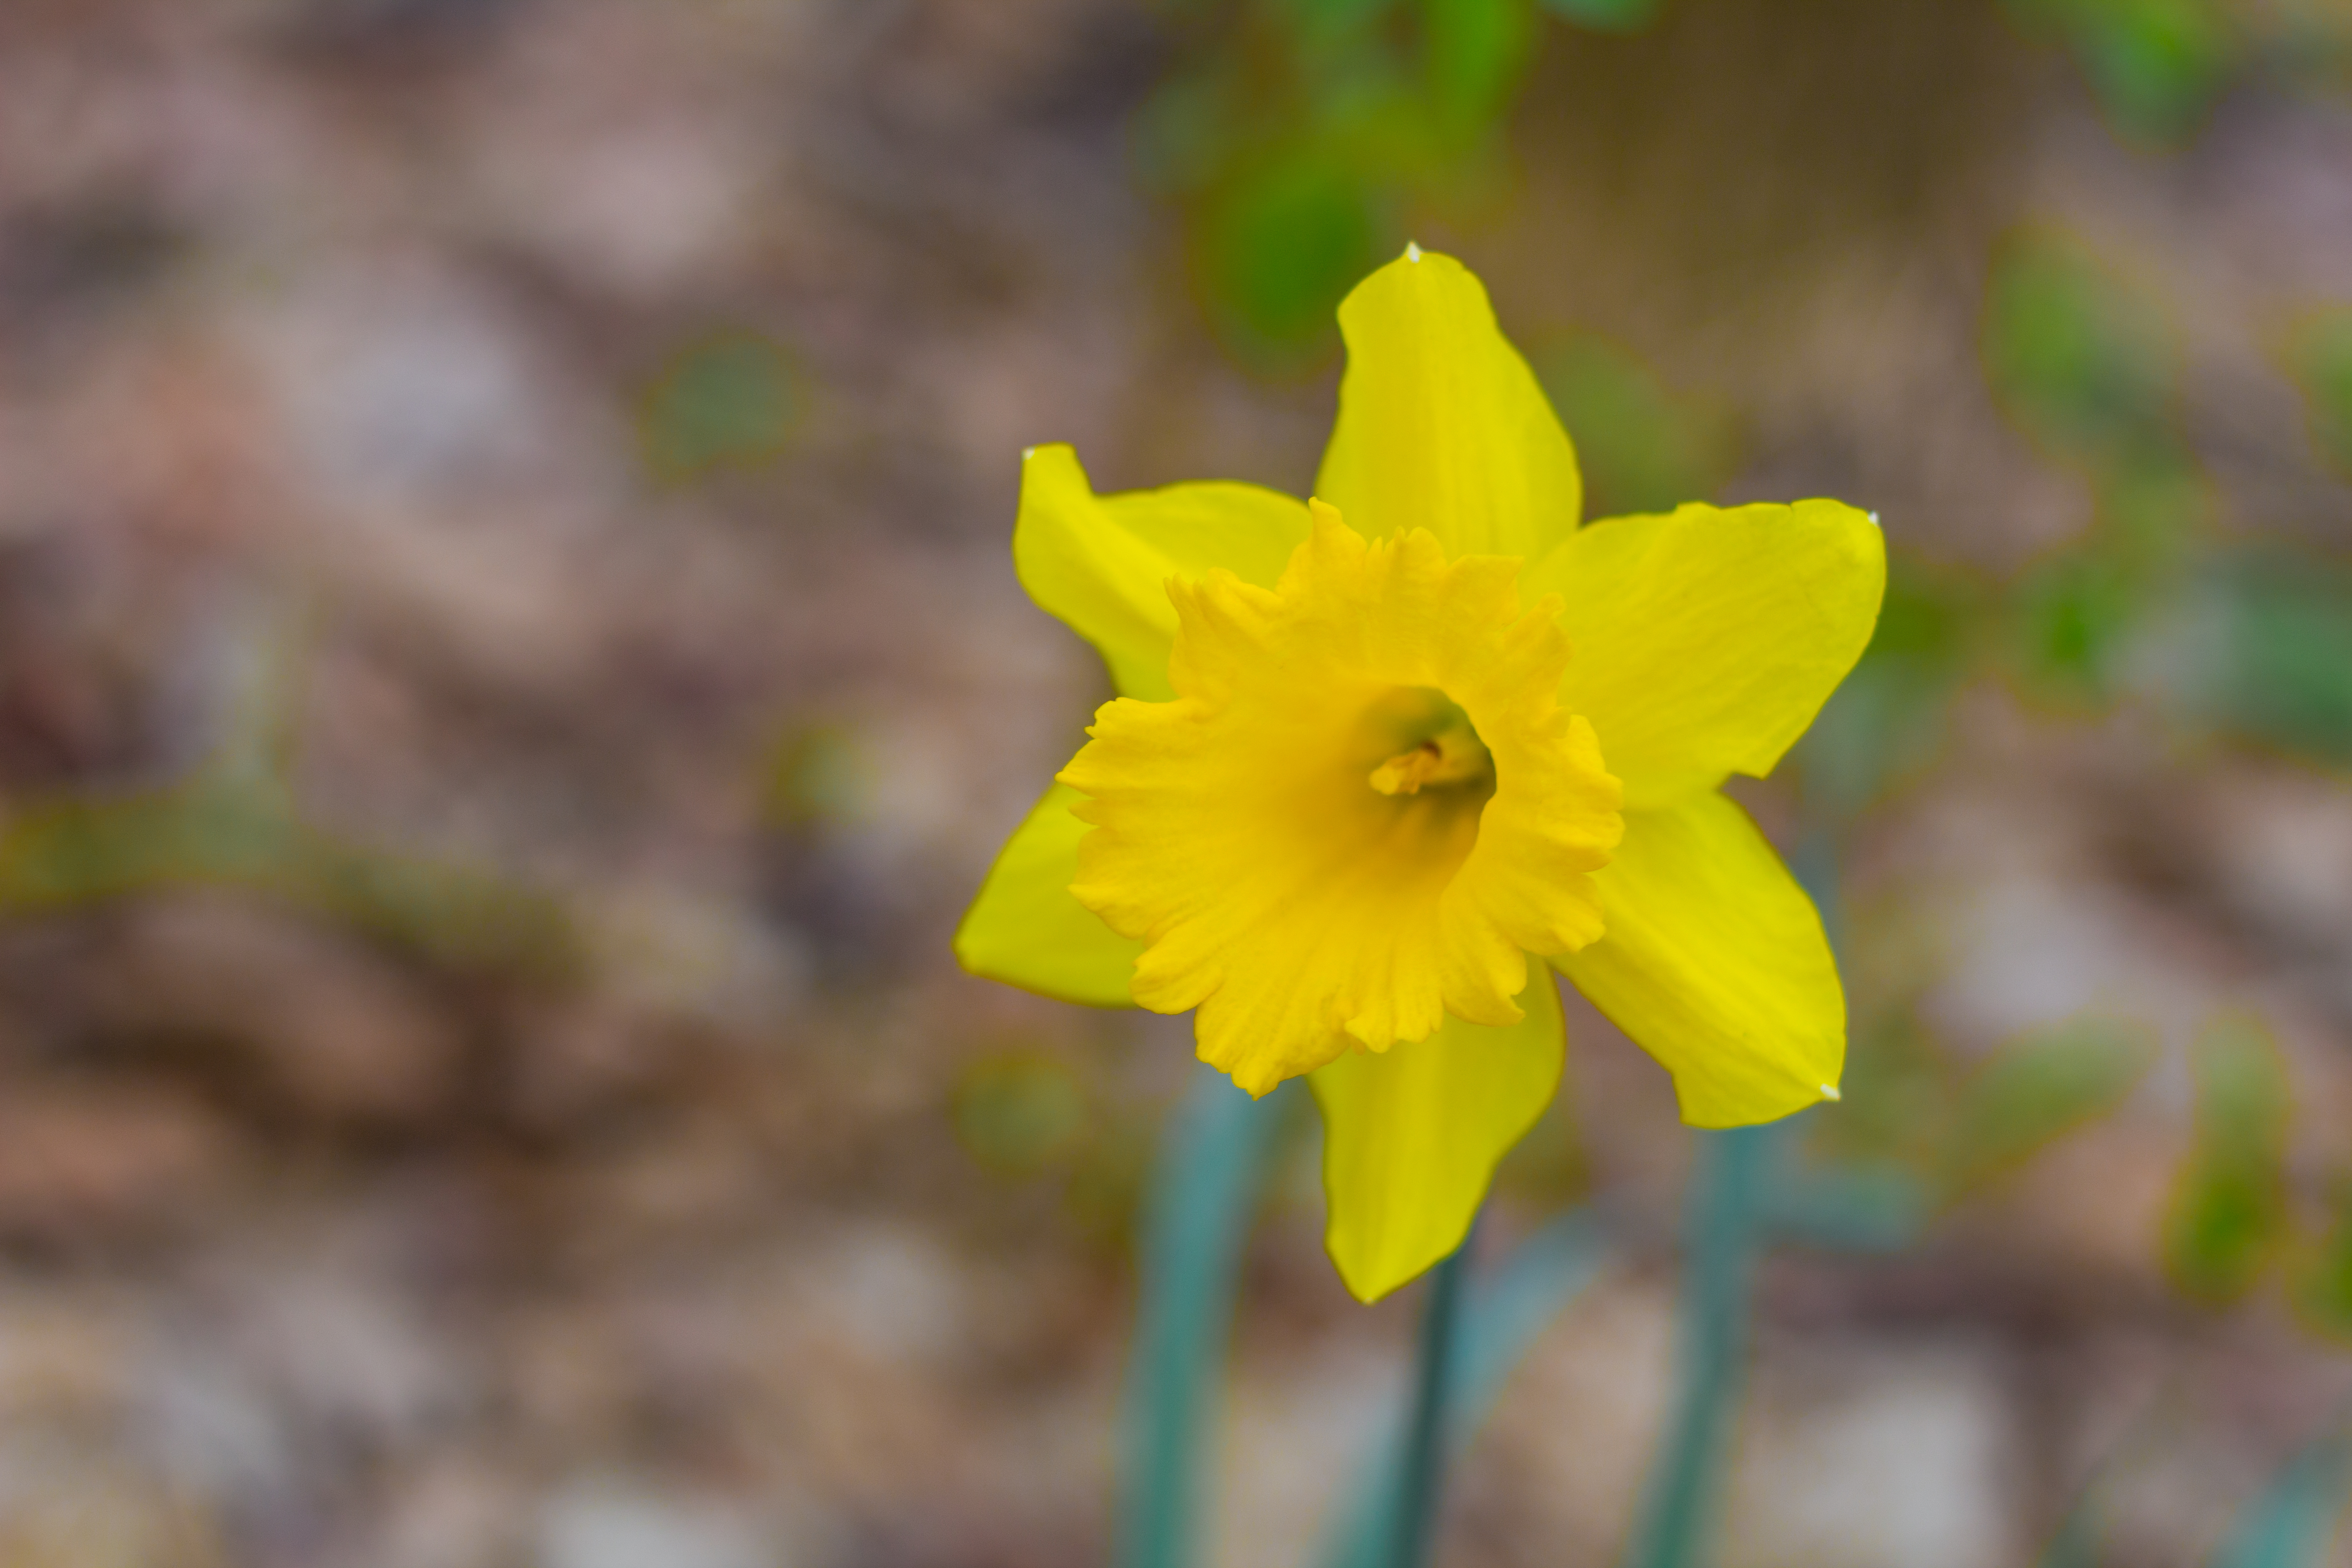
(1372, 751)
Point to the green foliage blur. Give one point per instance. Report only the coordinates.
(817, 772)
(2084, 362)
(2320, 355)
(1643, 445)
(1303, 130)
(2030, 1095)
(1300, 135)
(1020, 1113)
(234, 823)
(1300, 138)
(2323, 1282)
(2228, 1211)
(2156, 65)
(1957, 1128)
(216, 832)
(729, 402)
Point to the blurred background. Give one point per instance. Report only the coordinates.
(511, 668)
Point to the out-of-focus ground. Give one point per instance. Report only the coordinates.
(482, 1078)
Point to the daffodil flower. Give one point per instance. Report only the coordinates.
(1374, 751)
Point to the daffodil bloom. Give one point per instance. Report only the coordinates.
(1378, 755)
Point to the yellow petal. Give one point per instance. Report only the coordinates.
(1025, 929)
(1442, 425)
(1714, 962)
(1411, 1137)
(1102, 562)
(1707, 640)
(1302, 909)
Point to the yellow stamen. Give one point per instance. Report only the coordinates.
(1453, 757)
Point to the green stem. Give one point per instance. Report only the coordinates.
(1498, 1316)
(1204, 1189)
(1421, 1479)
(1718, 1270)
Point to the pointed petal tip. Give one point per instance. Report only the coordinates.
(1412, 251)
(1830, 1091)
(1373, 1280)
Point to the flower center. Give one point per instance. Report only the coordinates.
(1363, 809)
(1442, 749)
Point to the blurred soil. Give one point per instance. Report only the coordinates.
(537, 1126)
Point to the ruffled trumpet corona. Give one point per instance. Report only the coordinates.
(1375, 751)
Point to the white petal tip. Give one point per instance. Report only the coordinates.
(1029, 452)
(1830, 1091)
(1874, 519)
(1412, 251)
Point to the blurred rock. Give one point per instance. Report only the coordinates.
(106, 1159)
(1295, 1436)
(891, 1293)
(611, 1522)
(2282, 843)
(68, 1360)
(1859, 1455)
(279, 1007)
(1568, 1449)
(349, 1358)
(402, 385)
(62, 1509)
(456, 1511)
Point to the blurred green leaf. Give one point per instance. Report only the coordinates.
(1897, 1093)
(1333, 12)
(1606, 15)
(1281, 246)
(1185, 130)
(2079, 359)
(2320, 355)
(2034, 1092)
(2292, 1522)
(2286, 673)
(1020, 1112)
(2073, 618)
(730, 400)
(2150, 511)
(227, 831)
(2322, 1283)
(1476, 51)
(2087, 365)
(1847, 1207)
(2079, 1537)
(1331, 19)
(2155, 65)
(817, 774)
(1887, 718)
(1642, 446)
(1924, 620)
(2228, 1215)
(1303, 128)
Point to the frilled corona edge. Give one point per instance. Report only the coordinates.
(1241, 833)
